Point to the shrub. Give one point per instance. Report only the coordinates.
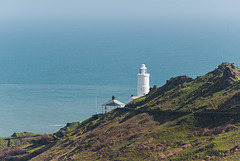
(45, 139)
(9, 151)
(23, 141)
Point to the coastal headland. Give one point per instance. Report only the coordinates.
(185, 119)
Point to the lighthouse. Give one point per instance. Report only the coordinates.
(143, 81)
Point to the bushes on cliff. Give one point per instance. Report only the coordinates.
(9, 151)
(45, 139)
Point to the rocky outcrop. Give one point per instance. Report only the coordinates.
(221, 78)
(208, 158)
(228, 70)
(225, 74)
(232, 150)
(218, 129)
(162, 156)
(176, 81)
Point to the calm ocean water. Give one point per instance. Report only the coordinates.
(52, 73)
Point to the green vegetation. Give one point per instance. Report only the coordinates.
(145, 130)
(207, 93)
(23, 134)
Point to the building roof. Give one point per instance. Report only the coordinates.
(132, 98)
(113, 102)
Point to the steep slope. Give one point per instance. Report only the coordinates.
(146, 130)
(142, 136)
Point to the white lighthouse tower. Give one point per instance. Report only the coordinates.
(143, 81)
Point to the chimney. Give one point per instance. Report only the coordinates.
(113, 97)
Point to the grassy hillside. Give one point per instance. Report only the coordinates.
(141, 134)
(214, 91)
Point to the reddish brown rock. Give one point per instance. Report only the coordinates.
(186, 146)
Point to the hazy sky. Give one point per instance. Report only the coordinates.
(122, 9)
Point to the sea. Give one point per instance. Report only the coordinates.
(55, 72)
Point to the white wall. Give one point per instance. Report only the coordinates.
(143, 84)
(108, 108)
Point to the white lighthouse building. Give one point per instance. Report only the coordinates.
(142, 83)
(112, 104)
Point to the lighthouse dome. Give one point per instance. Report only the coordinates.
(143, 66)
(143, 69)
